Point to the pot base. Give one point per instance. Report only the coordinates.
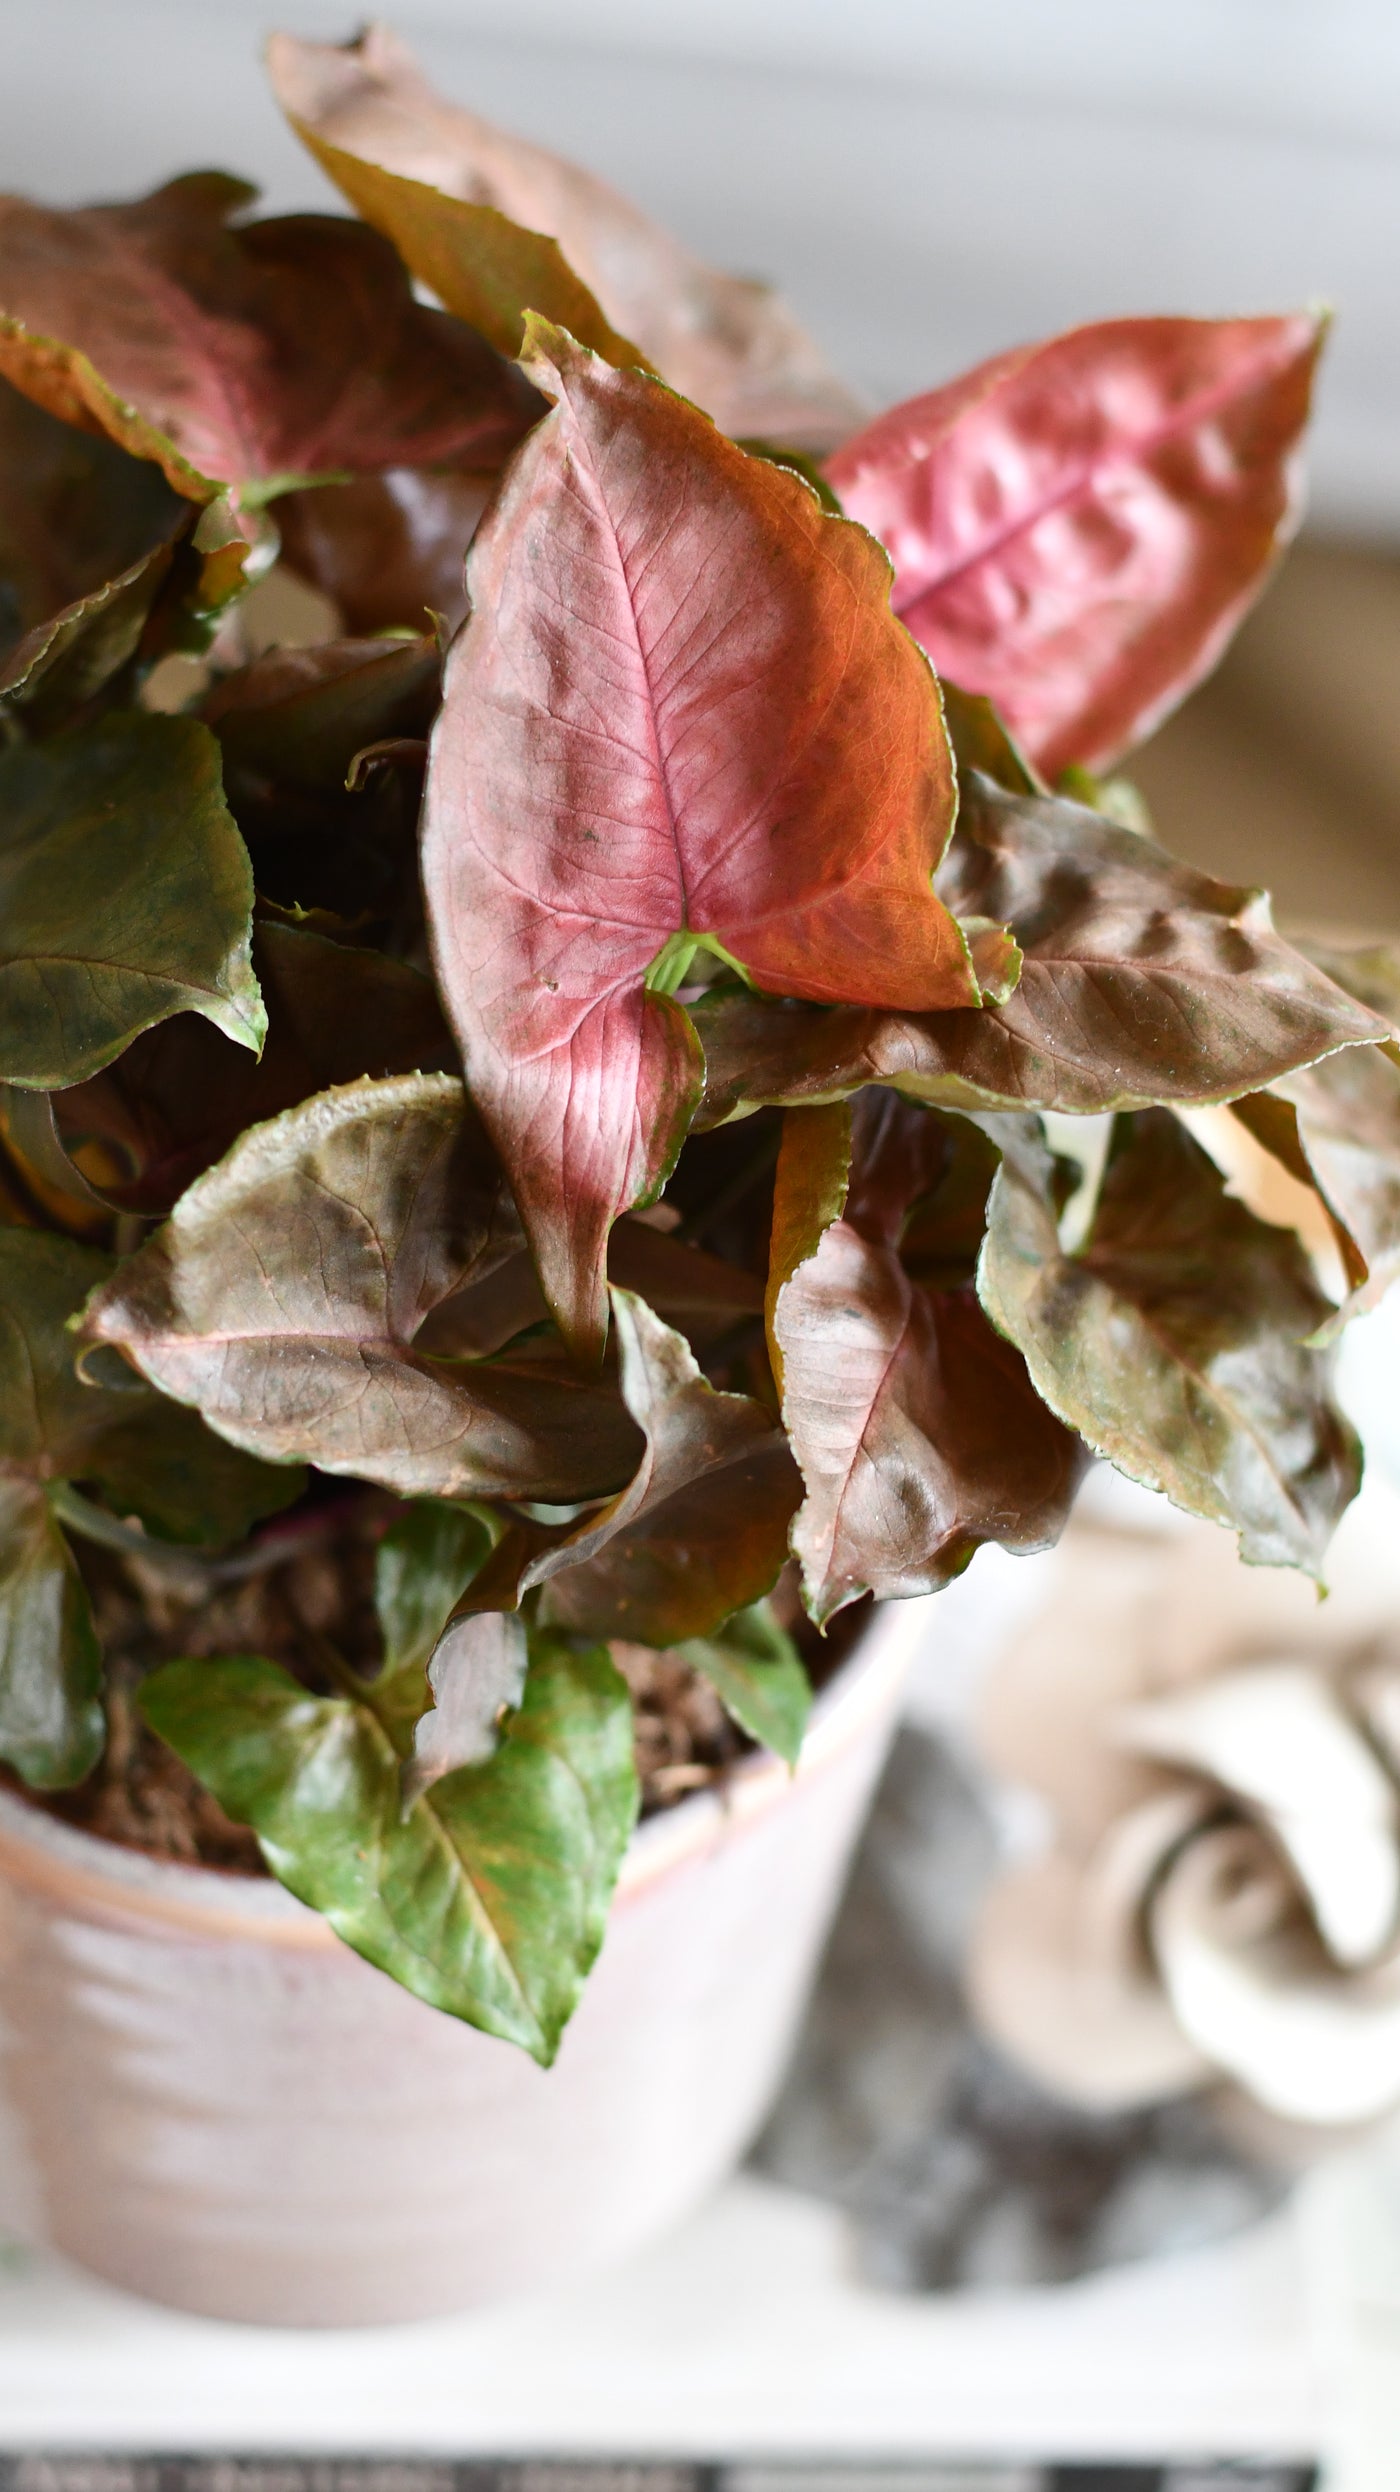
(229, 2112)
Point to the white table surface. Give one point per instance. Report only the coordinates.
(744, 2332)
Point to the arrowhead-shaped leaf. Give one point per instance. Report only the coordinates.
(498, 228)
(1077, 527)
(125, 896)
(488, 1897)
(286, 1295)
(916, 1429)
(1175, 1340)
(1143, 981)
(246, 355)
(756, 1671)
(180, 1095)
(680, 711)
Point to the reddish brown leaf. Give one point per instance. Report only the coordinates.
(1142, 981)
(699, 1531)
(391, 549)
(680, 708)
(245, 355)
(917, 1431)
(285, 1297)
(726, 342)
(296, 718)
(1077, 527)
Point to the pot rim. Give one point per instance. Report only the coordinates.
(45, 1851)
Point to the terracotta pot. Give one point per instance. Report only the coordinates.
(225, 2109)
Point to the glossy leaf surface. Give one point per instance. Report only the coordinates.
(489, 1896)
(125, 896)
(916, 1429)
(1142, 981)
(1077, 527)
(242, 354)
(1175, 1340)
(477, 238)
(285, 1296)
(680, 707)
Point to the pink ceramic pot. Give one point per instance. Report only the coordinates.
(226, 2110)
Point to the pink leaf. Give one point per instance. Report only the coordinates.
(1077, 527)
(680, 708)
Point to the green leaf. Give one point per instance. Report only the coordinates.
(489, 1897)
(756, 1671)
(147, 1457)
(981, 740)
(1175, 1341)
(125, 895)
(423, 1565)
(51, 1725)
(184, 1483)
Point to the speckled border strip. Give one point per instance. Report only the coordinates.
(84, 2471)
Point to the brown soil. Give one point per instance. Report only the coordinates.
(141, 1795)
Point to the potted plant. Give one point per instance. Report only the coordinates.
(524, 1130)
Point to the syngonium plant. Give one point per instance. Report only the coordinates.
(574, 1056)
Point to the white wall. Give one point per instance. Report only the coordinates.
(930, 179)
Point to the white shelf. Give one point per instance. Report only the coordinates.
(744, 2332)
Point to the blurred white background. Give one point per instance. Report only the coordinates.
(928, 180)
